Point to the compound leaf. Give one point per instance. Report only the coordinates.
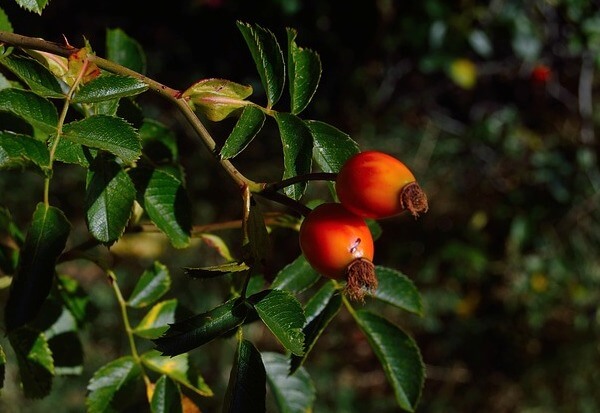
(304, 73)
(248, 125)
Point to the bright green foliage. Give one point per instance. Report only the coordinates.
(247, 127)
(304, 73)
(297, 150)
(34, 358)
(151, 286)
(156, 321)
(35, 75)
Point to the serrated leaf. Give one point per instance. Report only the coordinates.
(216, 270)
(108, 133)
(108, 200)
(153, 284)
(178, 369)
(296, 277)
(19, 151)
(73, 153)
(399, 356)
(304, 73)
(35, 6)
(218, 98)
(157, 320)
(246, 390)
(125, 50)
(39, 79)
(283, 315)
(332, 147)
(297, 144)
(107, 87)
(293, 393)
(31, 284)
(398, 290)
(165, 200)
(186, 335)
(268, 57)
(35, 110)
(107, 381)
(247, 127)
(320, 310)
(34, 358)
(166, 397)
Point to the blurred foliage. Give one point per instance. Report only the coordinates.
(507, 257)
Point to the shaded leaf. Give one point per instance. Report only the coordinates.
(297, 151)
(125, 50)
(70, 152)
(165, 200)
(283, 315)
(158, 141)
(157, 320)
(34, 358)
(107, 381)
(332, 147)
(153, 284)
(246, 390)
(218, 98)
(296, 277)
(216, 270)
(32, 108)
(304, 73)
(109, 199)
(2, 367)
(259, 243)
(31, 284)
(186, 335)
(166, 397)
(399, 356)
(74, 298)
(398, 290)
(108, 133)
(293, 393)
(35, 75)
(248, 125)
(268, 57)
(107, 87)
(18, 151)
(178, 369)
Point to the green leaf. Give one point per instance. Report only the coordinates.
(35, 110)
(259, 243)
(398, 290)
(108, 133)
(218, 98)
(107, 87)
(108, 200)
(4, 25)
(283, 315)
(35, 6)
(166, 397)
(296, 277)
(2, 367)
(34, 358)
(107, 381)
(31, 284)
(124, 50)
(35, 75)
(246, 390)
(247, 127)
(293, 393)
(157, 320)
(399, 356)
(19, 151)
(74, 298)
(165, 200)
(178, 369)
(332, 147)
(304, 73)
(268, 57)
(186, 335)
(159, 142)
(297, 151)
(320, 310)
(70, 152)
(216, 270)
(153, 284)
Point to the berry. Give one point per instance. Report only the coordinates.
(541, 74)
(339, 245)
(375, 185)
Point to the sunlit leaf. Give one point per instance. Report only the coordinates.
(399, 356)
(32, 108)
(296, 276)
(332, 147)
(268, 58)
(107, 87)
(4, 25)
(397, 289)
(293, 393)
(217, 98)
(124, 50)
(304, 73)
(166, 397)
(107, 381)
(283, 315)
(35, 75)
(248, 125)
(297, 151)
(157, 320)
(216, 270)
(35, 6)
(34, 358)
(153, 284)
(246, 390)
(31, 284)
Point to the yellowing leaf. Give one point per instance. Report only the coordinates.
(218, 98)
(463, 72)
